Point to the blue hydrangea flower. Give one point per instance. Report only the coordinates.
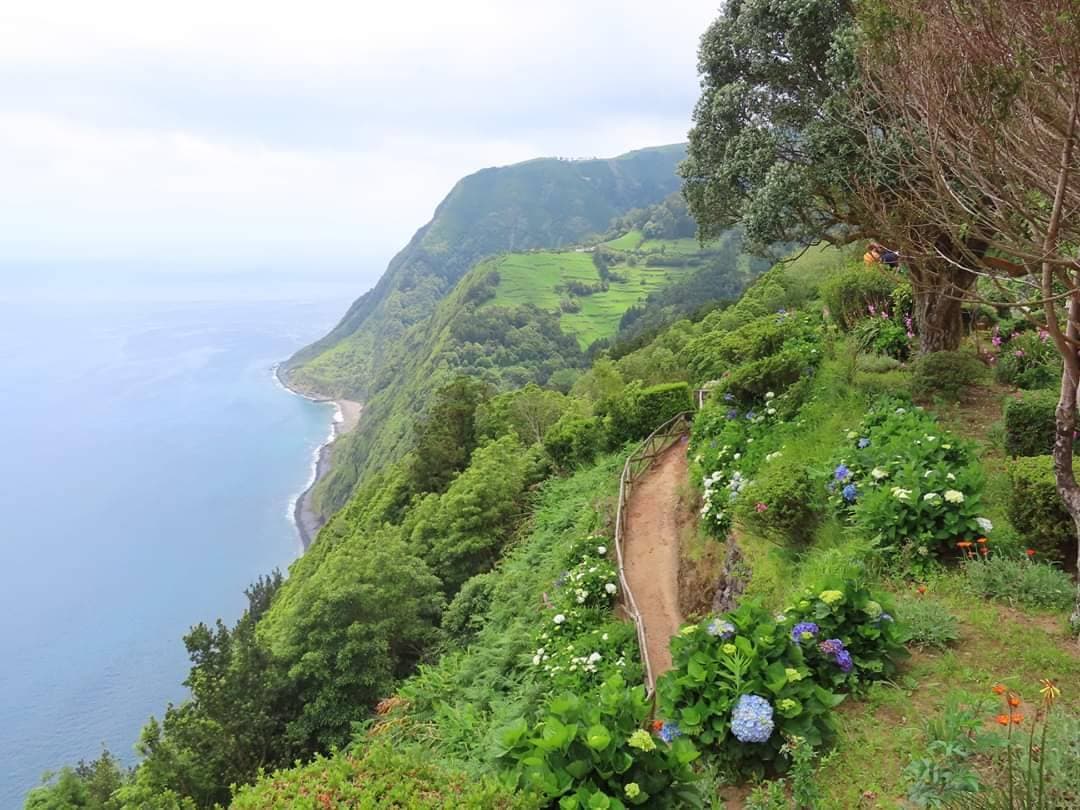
(669, 731)
(843, 660)
(850, 493)
(841, 472)
(781, 311)
(864, 442)
(733, 414)
(750, 414)
(718, 627)
(752, 719)
(832, 646)
(729, 397)
(809, 629)
(885, 617)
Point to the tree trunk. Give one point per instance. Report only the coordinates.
(1064, 476)
(937, 290)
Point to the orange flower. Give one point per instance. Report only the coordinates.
(657, 725)
(1014, 701)
(982, 540)
(1003, 719)
(1017, 718)
(921, 589)
(964, 544)
(1030, 552)
(998, 689)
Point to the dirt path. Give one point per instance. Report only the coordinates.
(651, 552)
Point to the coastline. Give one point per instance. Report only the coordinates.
(346, 417)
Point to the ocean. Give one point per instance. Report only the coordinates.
(148, 465)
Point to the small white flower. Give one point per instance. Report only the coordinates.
(769, 396)
(738, 456)
(954, 496)
(984, 524)
(931, 438)
(770, 411)
(610, 587)
(594, 658)
(559, 618)
(536, 660)
(901, 494)
(951, 477)
(877, 473)
(604, 637)
(901, 410)
(601, 550)
(932, 497)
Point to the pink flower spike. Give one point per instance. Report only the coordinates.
(761, 507)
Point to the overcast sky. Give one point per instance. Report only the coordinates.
(309, 132)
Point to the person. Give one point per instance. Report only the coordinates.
(873, 254)
(890, 258)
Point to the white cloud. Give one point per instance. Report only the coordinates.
(309, 130)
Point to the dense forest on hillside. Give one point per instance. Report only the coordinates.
(876, 519)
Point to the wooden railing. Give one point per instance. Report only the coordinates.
(637, 463)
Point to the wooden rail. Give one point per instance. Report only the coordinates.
(637, 463)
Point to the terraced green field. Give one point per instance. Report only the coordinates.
(532, 278)
(628, 241)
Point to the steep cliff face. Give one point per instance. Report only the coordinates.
(544, 203)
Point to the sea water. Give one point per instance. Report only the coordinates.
(147, 462)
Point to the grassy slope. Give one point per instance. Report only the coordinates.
(532, 278)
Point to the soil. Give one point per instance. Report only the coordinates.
(654, 520)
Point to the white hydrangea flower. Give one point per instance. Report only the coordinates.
(594, 657)
(559, 618)
(769, 396)
(610, 587)
(954, 496)
(984, 524)
(877, 473)
(901, 494)
(933, 497)
(601, 550)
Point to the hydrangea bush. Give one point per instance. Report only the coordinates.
(910, 485)
(585, 660)
(601, 752)
(741, 686)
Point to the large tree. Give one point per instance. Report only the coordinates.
(776, 144)
(990, 90)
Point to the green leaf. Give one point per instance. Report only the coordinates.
(684, 751)
(597, 738)
(511, 735)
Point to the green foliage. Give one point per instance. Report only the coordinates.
(863, 621)
(574, 440)
(638, 411)
(377, 775)
(942, 771)
(598, 754)
(751, 382)
(784, 502)
(768, 143)
(805, 790)
(465, 615)
(912, 487)
(1030, 423)
(527, 412)
(1020, 582)
(1035, 509)
(462, 532)
(927, 623)
(882, 336)
(91, 785)
(946, 374)
(446, 436)
(347, 631)
(720, 660)
(857, 294)
(1028, 360)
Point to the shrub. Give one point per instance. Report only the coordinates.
(1030, 423)
(856, 294)
(1028, 360)
(638, 411)
(882, 336)
(863, 623)
(1020, 582)
(750, 382)
(598, 753)
(876, 363)
(942, 772)
(716, 352)
(946, 374)
(927, 623)
(574, 440)
(377, 775)
(730, 670)
(467, 612)
(903, 301)
(783, 502)
(1035, 508)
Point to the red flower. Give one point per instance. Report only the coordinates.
(1030, 552)
(998, 689)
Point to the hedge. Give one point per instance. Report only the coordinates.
(1030, 423)
(850, 295)
(574, 440)
(945, 374)
(1035, 508)
(638, 411)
